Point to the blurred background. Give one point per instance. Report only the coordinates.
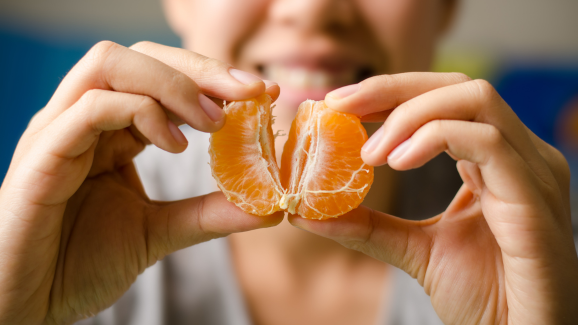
(527, 48)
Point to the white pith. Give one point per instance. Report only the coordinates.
(263, 139)
(290, 201)
(260, 138)
(299, 185)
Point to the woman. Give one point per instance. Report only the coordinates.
(77, 227)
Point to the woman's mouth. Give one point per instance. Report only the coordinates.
(299, 82)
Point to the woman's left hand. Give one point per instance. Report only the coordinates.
(502, 252)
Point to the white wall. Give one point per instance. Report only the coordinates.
(96, 19)
(518, 27)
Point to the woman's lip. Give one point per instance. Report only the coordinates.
(299, 83)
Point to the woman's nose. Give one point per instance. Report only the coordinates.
(332, 16)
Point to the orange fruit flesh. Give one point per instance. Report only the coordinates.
(243, 157)
(321, 167)
(322, 175)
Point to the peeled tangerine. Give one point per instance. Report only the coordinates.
(322, 175)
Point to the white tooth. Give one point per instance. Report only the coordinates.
(303, 78)
(274, 72)
(279, 73)
(316, 79)
(298, 78)
(320, 79)
(271, 72)
(283, 74)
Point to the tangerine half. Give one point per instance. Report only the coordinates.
(322, 174)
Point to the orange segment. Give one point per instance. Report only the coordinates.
(243, 157)
(322, 175)
(321, 167)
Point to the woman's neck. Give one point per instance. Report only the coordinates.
(289, 276)
(300, 249)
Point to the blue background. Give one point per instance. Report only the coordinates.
(31, 70)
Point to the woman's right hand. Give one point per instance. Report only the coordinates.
(76, 227)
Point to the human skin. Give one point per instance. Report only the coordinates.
(77, 228)
(322, 35)
(502, 252)
(502, 284)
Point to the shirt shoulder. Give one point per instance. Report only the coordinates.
(409, 304)
(167, 176)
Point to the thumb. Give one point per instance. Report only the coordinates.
(176, 225)
(402, 243)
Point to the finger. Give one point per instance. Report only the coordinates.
(216, 78)
(514, 199)
(386, 92)
(63, 152)
(556, 162)
(376, 117)
(272, 90)
(402, 243)
(470, 101)
(505, 173)
(472, 176)
(109, 66)
(130, 175)
(75, 130)
(173, 226)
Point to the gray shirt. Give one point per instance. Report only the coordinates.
(197, 285)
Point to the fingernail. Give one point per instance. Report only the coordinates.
(399, 150)
(372, 143)
(269, 83)
(244, 77)
(343, 92)
(213, 111)
(177, 134)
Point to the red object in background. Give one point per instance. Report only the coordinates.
(566, 128)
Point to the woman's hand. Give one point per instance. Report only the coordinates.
(502, 252)
(76, 227)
